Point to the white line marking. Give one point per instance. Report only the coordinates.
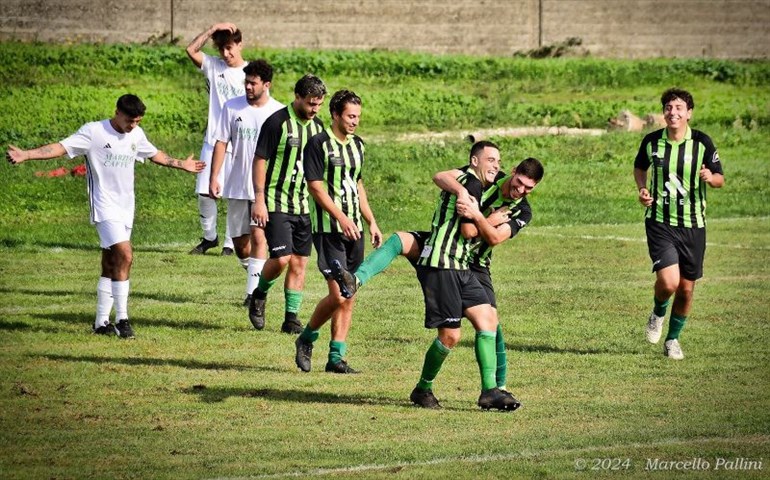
(504, 457)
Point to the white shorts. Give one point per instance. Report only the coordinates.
(203, 177)
(239, 220)
(112, 232)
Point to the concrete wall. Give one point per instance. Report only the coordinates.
(614, 28)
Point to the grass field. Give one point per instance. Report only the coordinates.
(200, 394)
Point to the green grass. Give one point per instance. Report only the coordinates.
(200, 394)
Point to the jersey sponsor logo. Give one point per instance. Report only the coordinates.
(239, 119)
(118, 160)
(292, 141)
(674, 185)
(336, 160)
(107, 146)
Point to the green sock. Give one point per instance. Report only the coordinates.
(675, 326)
(309, 335)
(434, 358)
(484, 347)
(501, 374)
(293, 300)
(263, 286)
(378, 260)
(337, 351)
(660, 306)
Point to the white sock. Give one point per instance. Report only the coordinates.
(103, 302)
(253, 272)
(207, 208)
(228, 239)
(120, 294)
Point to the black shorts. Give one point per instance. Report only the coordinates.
(288, 235)
(447, 294)
(676, 245)
(420, 238)
(334, 246)
(485, 279)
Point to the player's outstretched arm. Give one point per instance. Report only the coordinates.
(15, 155)
(188, 165)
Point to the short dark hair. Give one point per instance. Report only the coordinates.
(481, 145)
(342, 98)
(259, 68)
(532, 168)
(222, 37)
(674, 93)
(310, 86)
(131, 105)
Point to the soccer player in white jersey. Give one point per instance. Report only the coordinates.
(111, 148)
(224, 80)
(239, 126)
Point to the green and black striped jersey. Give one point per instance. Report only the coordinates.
(339, 166)
(281, 142)
(446, 248)
(678, 193)
(492, 199)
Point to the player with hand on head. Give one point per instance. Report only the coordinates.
(224, 80)
(111, 148)
(683, 161)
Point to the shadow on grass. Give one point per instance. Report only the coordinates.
(88, 319)
(87, 247)
(219, 394)
(159, 297)
(158, 362)
(25, 327)
(522, 348)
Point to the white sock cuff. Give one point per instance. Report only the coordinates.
(104, 285)
(120, 288)
(245, 263)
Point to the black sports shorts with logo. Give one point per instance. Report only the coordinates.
(447, 293)
(676, 245)
(288, 235)
(335, 246)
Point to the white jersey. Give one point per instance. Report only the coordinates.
(223, 83)
(110, 158)
(239, 125)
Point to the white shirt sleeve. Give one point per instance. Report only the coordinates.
(79, 143)
(144, 149)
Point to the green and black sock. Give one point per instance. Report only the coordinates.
(263, 286)
(293, 300)
(675, 326)
(379, 259)
(434, 358)
(309, 335)
(501, 374)
(484, 347)
(660, 306)
(337, 351)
